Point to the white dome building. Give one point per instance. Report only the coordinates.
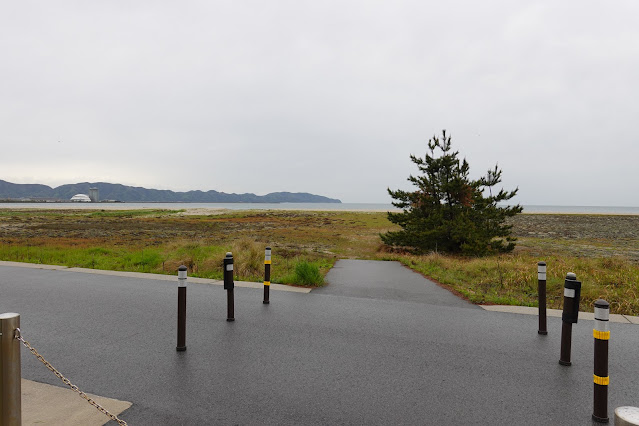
(81, 198)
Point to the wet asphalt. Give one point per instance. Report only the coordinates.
(373, 279)
(380, 345)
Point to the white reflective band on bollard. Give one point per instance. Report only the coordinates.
(602, 325)
(229, 267)
(602, 314)
(541, 276)
(569, 292)
(182, 276)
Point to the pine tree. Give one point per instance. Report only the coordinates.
(449, 212)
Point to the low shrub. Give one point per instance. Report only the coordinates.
(308, 274)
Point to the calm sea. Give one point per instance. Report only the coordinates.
(303, 206)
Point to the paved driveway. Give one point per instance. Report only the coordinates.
(307, 359)
(386, 281)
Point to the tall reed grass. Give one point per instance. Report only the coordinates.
(512, 279)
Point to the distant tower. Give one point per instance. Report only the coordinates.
(93, 195)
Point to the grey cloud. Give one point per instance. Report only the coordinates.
(328, 97)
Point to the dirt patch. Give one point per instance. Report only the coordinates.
(203, 212)
(579, 235)
(573, 227)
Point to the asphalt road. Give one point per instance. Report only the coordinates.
(322, 358)
(372, 279)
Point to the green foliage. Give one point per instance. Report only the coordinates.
(450, 212)
(98, 251)
(144, 259)
(308, 274)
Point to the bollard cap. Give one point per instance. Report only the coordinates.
(9, 315)
(542, 263)
(627, 416)
(602, 304)
(182, 273)
(229, 254)
(228, 262)
(571, 276)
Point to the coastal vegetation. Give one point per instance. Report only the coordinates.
(603, 250)
(449, 211)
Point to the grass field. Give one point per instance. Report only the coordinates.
(603, 250)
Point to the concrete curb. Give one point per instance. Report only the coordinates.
(30, 265)
(142, 275)
(44, 404)
(529, 310)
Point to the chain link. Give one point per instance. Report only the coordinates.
(66, 381)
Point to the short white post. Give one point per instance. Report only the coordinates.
(627, 416)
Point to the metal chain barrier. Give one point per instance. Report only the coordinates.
(66, 381)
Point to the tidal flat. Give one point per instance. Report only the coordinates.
(603, 250)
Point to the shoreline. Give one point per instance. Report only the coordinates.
(195, 211)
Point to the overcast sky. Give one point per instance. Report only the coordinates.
(327, 97)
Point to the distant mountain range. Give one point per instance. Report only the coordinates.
(134, 194)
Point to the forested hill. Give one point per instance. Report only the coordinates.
(133, 194)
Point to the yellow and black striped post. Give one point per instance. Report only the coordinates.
(267, 274)
(181, 319)
(572, 294)
(541, 291)
(601, 333)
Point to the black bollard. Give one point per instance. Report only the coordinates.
(228, 286)
(181, 319)
(601, 333)
(572, 294)
(541, 290)
(267, 274)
